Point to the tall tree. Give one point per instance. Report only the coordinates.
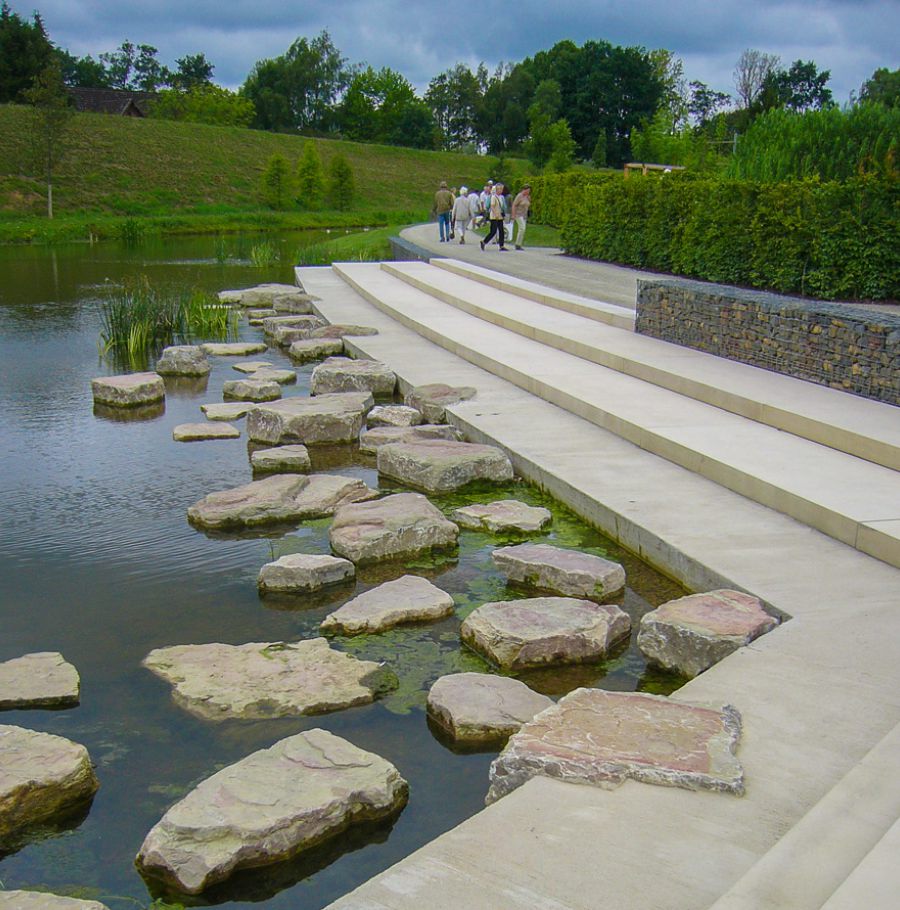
(705, 102)
(802, 87)
(192, 70)
(276, 184)
(341, 185)
(310, 177)
(454, 97)
(135, 67)
(25, 52)
(82, 72)
(883, 87)
(750, 74)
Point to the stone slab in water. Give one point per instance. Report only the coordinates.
(250, 366)
(604, 738)
(308, 349)
(251, 389)
(393, 415)
(292, 459)
(229, 410)
(344, 374)
(234, 348)
(183, 360)
(41, 776)
(270, 807)
(259, 314)
(260, 295)
(406, 599)
(293, 303)
(267, 679)
(300, 573)
(312, 421)
(433, 398)
(272, 500)
(128, 391)
(564, 571)
(340, 330)
(196, 432)
(43, 900)
(441, 466)
(372, 440)
(43, 679)
(481, 707)
(544, 631)
(504, 515)
(690, 634)
(269, 374)
(307, 323)
(399, 525)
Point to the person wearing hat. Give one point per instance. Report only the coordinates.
(443, 205)
(461, 213)
(520, 207)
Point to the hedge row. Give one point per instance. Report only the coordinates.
(832, 240)
(549, 193)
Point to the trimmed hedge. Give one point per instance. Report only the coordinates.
(549, 194)
(833, 240)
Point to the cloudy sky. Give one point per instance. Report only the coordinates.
(851, 38)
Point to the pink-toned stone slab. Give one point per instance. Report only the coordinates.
(128, 391)
(344, 374)
(371, 440)
(323, 419)
(603, 738)
(692, 633)
(393, 415)
(195, 432)
(305, 350)
(441, 466)
(432, 399)
(504, 515)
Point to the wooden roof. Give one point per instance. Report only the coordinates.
(112, 101)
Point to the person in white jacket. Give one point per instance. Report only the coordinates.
(461, 214)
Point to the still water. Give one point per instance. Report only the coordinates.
(97, 561)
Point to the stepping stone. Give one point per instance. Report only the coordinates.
(251, 390)
(260, 295)
(40, 680)
(343, 374)
(320, 420)
(234, 348)
(307, 323)
(128, 391)
(250, 366)
(285, 335)
(272, 500)
(432, 399)
(293, 303)
(308, 349)
(372, 440)
(230, 410)
(259, 314)
(340, 330)
(481, 707)
(41, 776)
(539, 565)
(544, 631)
(195, 432)
(300, 573)
(281, 460)
(400, 525)
(183, 360)
(42, 900)
(393, 415)
(604, 738)
(407, 599)
(504, 515)
(690, 634)
(267, 679)
(268, 374)
(270, 807)
(441, 466)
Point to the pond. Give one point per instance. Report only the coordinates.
(99, 562)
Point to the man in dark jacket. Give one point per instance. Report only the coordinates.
(443, 206)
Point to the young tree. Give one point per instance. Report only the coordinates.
(598, 158)
(750, 74)
(276, 185)
(25, 52)
(563, 154)
(310, 177)
(341, 185)
(705, 103)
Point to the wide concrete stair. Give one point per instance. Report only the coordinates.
(821, 456)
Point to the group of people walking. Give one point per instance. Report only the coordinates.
(469, 209)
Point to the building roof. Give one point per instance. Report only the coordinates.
(112, 101)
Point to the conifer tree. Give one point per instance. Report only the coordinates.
(341, 185)
(310, 178)
(276, 185)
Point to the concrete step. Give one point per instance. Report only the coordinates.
(858, 426)
(852, 500)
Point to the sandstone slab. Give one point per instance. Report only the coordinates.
(343, 374)
(251, 389)
(399, 525)
(503, 516)
(393, 415)
(282, 498)
(372, 440)
(43, 679)
(43, 900)
(271, 324)
(481, 707)
(305, 350)
(300, 573)
(261, 295)
(604, 738)
(432, 399)
(269, 807)
(258, 314)
(41, 776)
(293, 459)
(406, 599)
(690, 634)
(544, 631)
(229, 410)
(195, 432)
(340, 330)
(267, 679)
(130, 390)
(568, 572)
(320, 420)
(293, 303)
(234, 348)
(183, 360)
(441, 466)
(250, 366)
(270, 374)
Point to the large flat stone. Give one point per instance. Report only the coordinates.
(320, 420)
(286, 335)
(269, 374)
(300, 573)
(260, 295)
(43, 900)
(400, 525)
(128, 391)
(344, 374)
(183, 360)
(503, 516)
(293, 459)
(195, 432)
(234, 348)
(43, 679)
(690, 634)
(305, 350)
(393, 415)
(229, 410)
(432, 399)
(406, 599)
(282, 498)
(544, 631)
(293, 303)
(371, 440)
(41, 776)
(250, 366)
(270, 807)
(267, 679)
(441, 466)
(340, 330)
(604, 738)
(567, 572)
(481, 707)
(251, 390)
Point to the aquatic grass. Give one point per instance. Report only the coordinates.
(220, 251)
(263, 254)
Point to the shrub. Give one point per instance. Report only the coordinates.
(341, 185)
(310, 178)
(276, 185)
